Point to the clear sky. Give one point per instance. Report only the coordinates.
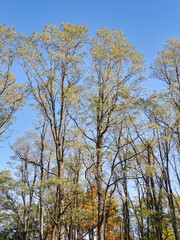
(147, 24)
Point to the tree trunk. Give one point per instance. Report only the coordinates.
(101, 217)
(41, 207)
(60, 191)
(41, 184)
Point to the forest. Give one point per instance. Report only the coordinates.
(103, 161)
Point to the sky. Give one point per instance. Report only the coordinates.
(147, 24)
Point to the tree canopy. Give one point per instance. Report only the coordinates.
(103, 160)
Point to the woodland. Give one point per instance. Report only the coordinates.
(103, 161)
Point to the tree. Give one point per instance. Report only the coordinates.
(167, 68)
(52, 63)
(115, 74)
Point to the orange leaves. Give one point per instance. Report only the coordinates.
(89, 219)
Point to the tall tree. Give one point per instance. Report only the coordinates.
(167, 68)
(52, 63)
(112, 84)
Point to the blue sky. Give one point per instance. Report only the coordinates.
(147, 24)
